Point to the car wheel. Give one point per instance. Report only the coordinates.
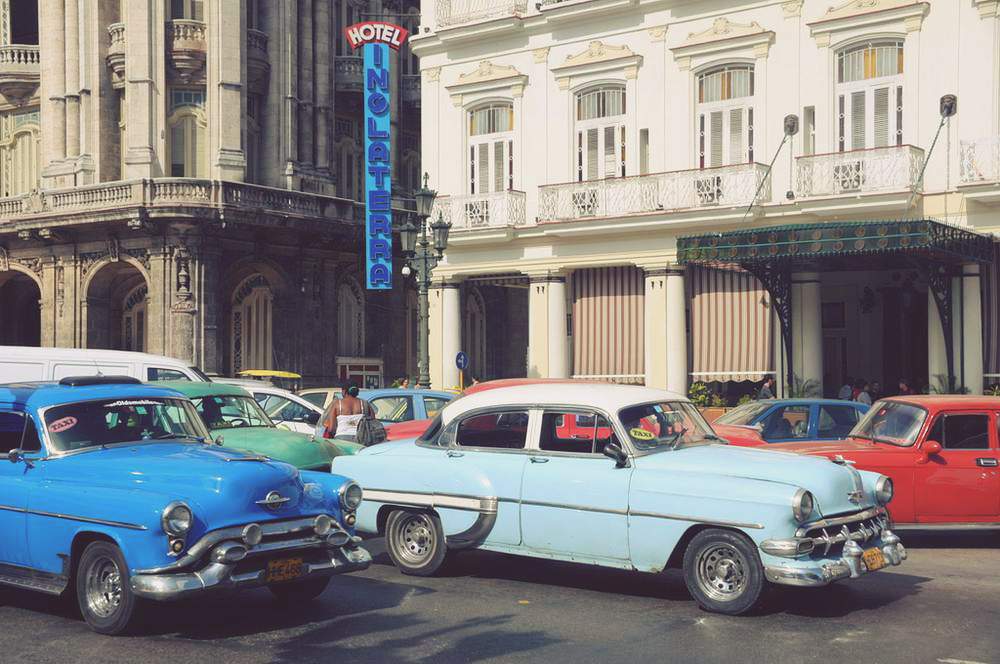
(103, 589)
(300, 591)
(415, 542)
(723, 572)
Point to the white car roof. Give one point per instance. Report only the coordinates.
(605, 396)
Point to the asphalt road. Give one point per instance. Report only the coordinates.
(942, 606)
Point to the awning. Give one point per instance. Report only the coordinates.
(839, 245)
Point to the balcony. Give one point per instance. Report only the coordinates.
(116, 54)
(502, 209)
(891, 169)
(188, 44)
(979, 164)
(349, 73)
(410, 85)
(710, 188)
(258, 61)
(19, 72)
(456, 13)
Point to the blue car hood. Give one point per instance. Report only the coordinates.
(831, 484)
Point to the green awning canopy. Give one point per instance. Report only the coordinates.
(838, 245)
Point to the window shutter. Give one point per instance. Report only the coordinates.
(484, 168)
(701, 141)
(199, 149)
(592, 151)
(750, 135)
(735, 135)
(499, 165)
(510, 164)
(621, 133)
(472, 169)
(899, 111)
(716, 139)
(858, 120)
(841, 138)
(610, 153)
(881, 112)
(579, 156)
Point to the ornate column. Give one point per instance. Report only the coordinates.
(47, 302)
(548, 355)
(306, 82)
(143, 51)
(324, 98)
(183, 304)
(444, 310)
(558, 341)
(655, 321)
(226, 73)
(72, 55)
(51, 34)
(972, 329)
(676, 329)
(807, 332)
(158, 301)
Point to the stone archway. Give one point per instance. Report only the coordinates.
(251, 338)
(116, 308)
(21, 322)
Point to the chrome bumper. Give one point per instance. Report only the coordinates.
(220, 576)
(811, 573)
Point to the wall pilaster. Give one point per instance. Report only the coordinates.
(225, 76)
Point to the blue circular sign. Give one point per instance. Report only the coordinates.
(462, 360)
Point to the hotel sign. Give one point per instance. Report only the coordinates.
(376, 38)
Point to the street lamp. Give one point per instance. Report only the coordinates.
(422, 255)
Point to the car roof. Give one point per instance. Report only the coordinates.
(606, 396)
(517, 382)
(196, 390)
(809, 401)
(43, 394)
(935, 402)
(404, 391)
(87, 353)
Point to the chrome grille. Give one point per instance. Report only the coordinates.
(829, 536)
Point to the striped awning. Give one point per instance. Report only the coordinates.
(731, 325)
(609, 324)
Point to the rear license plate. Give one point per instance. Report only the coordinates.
(285, 569)
(873, 559)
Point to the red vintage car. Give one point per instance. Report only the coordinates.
(941, 451)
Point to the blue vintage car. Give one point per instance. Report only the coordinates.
(791, 420)
(397, 404)
(111, 491)
(624, 477)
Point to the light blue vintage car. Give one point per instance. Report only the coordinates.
(624, 477)
(110, 492)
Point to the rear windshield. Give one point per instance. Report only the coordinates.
(744, 414)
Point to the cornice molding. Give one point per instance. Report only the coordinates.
(724, 35)
(488, 76)
(597, 57)
(866, 13)
(988, 8)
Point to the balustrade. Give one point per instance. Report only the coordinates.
(502, 209)
(894, 168)
(457, 12)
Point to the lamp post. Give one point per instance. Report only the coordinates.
(422, 254)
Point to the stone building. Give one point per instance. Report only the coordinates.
(184, 177)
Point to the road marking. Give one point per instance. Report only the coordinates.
(959, 661)
(523, 602)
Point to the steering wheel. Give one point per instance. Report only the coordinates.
(238, 422)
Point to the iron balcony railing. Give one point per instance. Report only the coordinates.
(894, 168)
(502, 209)
(725, 186)
(451, 13)
(980, 160)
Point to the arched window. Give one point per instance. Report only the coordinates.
(20, 153)
(350, 320)
(870, 96)
(250, 345)
(475, 333)
(725, 116)
(187, 152)
(491, 148)
(600, 133)
(134, 319)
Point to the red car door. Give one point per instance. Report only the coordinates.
(961, 483)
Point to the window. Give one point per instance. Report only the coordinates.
(11, 430)
(158, 373)
(833, 315)
(186, 148)
(809, 130)
(870, 96)
(504, 430)
(134, 319)
(961, 432)
(643, 152)
(725, 116)
(600, 133)
(836, 421)
(393, 409)
(188, 9)
(491, 148)
(316, 398)
(575, 432)
(23, 22)
(281, 409)
(20, 152)
(786, 422)
(230, 412)
(433, 405)
(250, 341)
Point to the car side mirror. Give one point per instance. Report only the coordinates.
(17, 456)
(614, 452)
(928, 449)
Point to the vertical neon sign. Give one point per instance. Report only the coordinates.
(377, 38)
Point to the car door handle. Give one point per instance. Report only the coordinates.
(987, 462)
(454, 455)
(538, 459)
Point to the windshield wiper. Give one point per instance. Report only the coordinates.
(675, 441)
(712, 436)
(177, 436)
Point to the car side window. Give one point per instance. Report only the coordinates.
(961, 431)
(157, 373)
(574, 432)
(786, 422)
(836, 421)
(433, 406)
(393, 409)
(316, 398)
(504, 430)
(11, 430)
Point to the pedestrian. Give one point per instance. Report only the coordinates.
(861, 394)
(767, 389)
(876, 392)
(846, 389)
(904, 387)
(404, 382)
(342, 418)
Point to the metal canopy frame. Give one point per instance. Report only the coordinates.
(937, 250)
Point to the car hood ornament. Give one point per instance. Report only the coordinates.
(273, 501)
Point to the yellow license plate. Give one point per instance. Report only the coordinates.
(873, 559)
(285, 569)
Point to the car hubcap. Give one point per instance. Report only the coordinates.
(104, 587)
(415, 539)
(721, 572)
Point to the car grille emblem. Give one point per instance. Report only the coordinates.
(856, 496)
(273, 501)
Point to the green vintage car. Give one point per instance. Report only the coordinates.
(231, 413)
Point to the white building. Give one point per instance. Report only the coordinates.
(579, 146)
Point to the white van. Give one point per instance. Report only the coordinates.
(28, 363)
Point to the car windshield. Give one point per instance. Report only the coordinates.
(86, 424)
(230, 412)
(891, 422)
(744, 414)
(666, 425)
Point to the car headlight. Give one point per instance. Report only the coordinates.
(177, 519)
(350, 496)
(802, 505)
(883, 490)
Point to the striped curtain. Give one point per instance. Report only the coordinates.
(730, 325)
(991, 317)
(608, 324)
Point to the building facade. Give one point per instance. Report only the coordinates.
(605, 164)
(185, 177)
